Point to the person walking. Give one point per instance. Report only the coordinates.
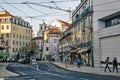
(78, 62)
(115, 65)
(107, 64)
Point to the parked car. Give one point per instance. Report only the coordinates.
(21, 60)
(24, 60)
(27, 60)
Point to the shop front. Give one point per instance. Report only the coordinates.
(85, 57)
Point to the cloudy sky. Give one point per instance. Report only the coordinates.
(35, 11)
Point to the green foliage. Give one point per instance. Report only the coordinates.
(31, 48)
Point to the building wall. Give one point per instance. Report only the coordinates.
(111, 49)
(102, 8)
(18, 34)
(42, 27)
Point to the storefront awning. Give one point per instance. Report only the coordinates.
(73, 51)
(4, 54)
(83, 50)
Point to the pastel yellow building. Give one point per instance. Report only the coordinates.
(15, 33)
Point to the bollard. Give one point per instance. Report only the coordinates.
(37, 67)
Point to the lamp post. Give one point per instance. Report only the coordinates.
(92, 56)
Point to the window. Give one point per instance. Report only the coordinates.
(13, 49)
(16, 42)
(47, 41)
(17, 35)
(41, 27)
(23, 43)
(16, 49)
(13, 35)
(5, 19)
(55, 48)
(55, 40)
(13, 42)
(113, 21)
(2, 26)
(16, 21)
(20, 43)
(20, 36)
(47, 49)
(26, 37)
(23, 37)
(7, 27)
(7, 35)
(1, 36)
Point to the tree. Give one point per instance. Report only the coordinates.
(31, 48)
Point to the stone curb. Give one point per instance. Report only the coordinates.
(100, 73)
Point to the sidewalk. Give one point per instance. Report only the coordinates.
(4, 72)
(93, 70)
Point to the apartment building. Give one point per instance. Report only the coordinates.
(39, 40)
(81, 33)
(95, 31)
(51, 43)
(15, 33)
(106, 24)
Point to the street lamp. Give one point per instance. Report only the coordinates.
(91, 30)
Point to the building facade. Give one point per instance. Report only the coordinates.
(106, 30)
(81, 33)
(92, 31)
(51, 41)
(39, 51)
(15, 33)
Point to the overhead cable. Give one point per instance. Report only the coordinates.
(43, 2)
(16, 8)
(36, 9)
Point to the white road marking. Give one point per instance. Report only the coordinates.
(1, 78)
(31, 79)
(21, 73)
(83, 79)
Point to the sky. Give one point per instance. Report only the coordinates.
(34, 12)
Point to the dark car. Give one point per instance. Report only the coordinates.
(26, 61)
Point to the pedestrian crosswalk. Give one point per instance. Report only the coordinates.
(19, 65)
(1, 78)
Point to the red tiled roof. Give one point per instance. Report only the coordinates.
(38, 38)
(64, 23)
(54, 30)
(5, 15)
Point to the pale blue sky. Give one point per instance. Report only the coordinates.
(38, 12)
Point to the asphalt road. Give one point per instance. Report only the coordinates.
(48, 71)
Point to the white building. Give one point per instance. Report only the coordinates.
(106, 23)
(51, 41)
(42, 28)
(51, 38)
(62, 25)
(39, 42)
(39, 39)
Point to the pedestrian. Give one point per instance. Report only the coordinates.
(78, 62)
(107, 64)
(115, 65)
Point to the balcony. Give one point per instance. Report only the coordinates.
(84, 13)
(86, 44)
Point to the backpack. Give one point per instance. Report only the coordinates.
(78, 60)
